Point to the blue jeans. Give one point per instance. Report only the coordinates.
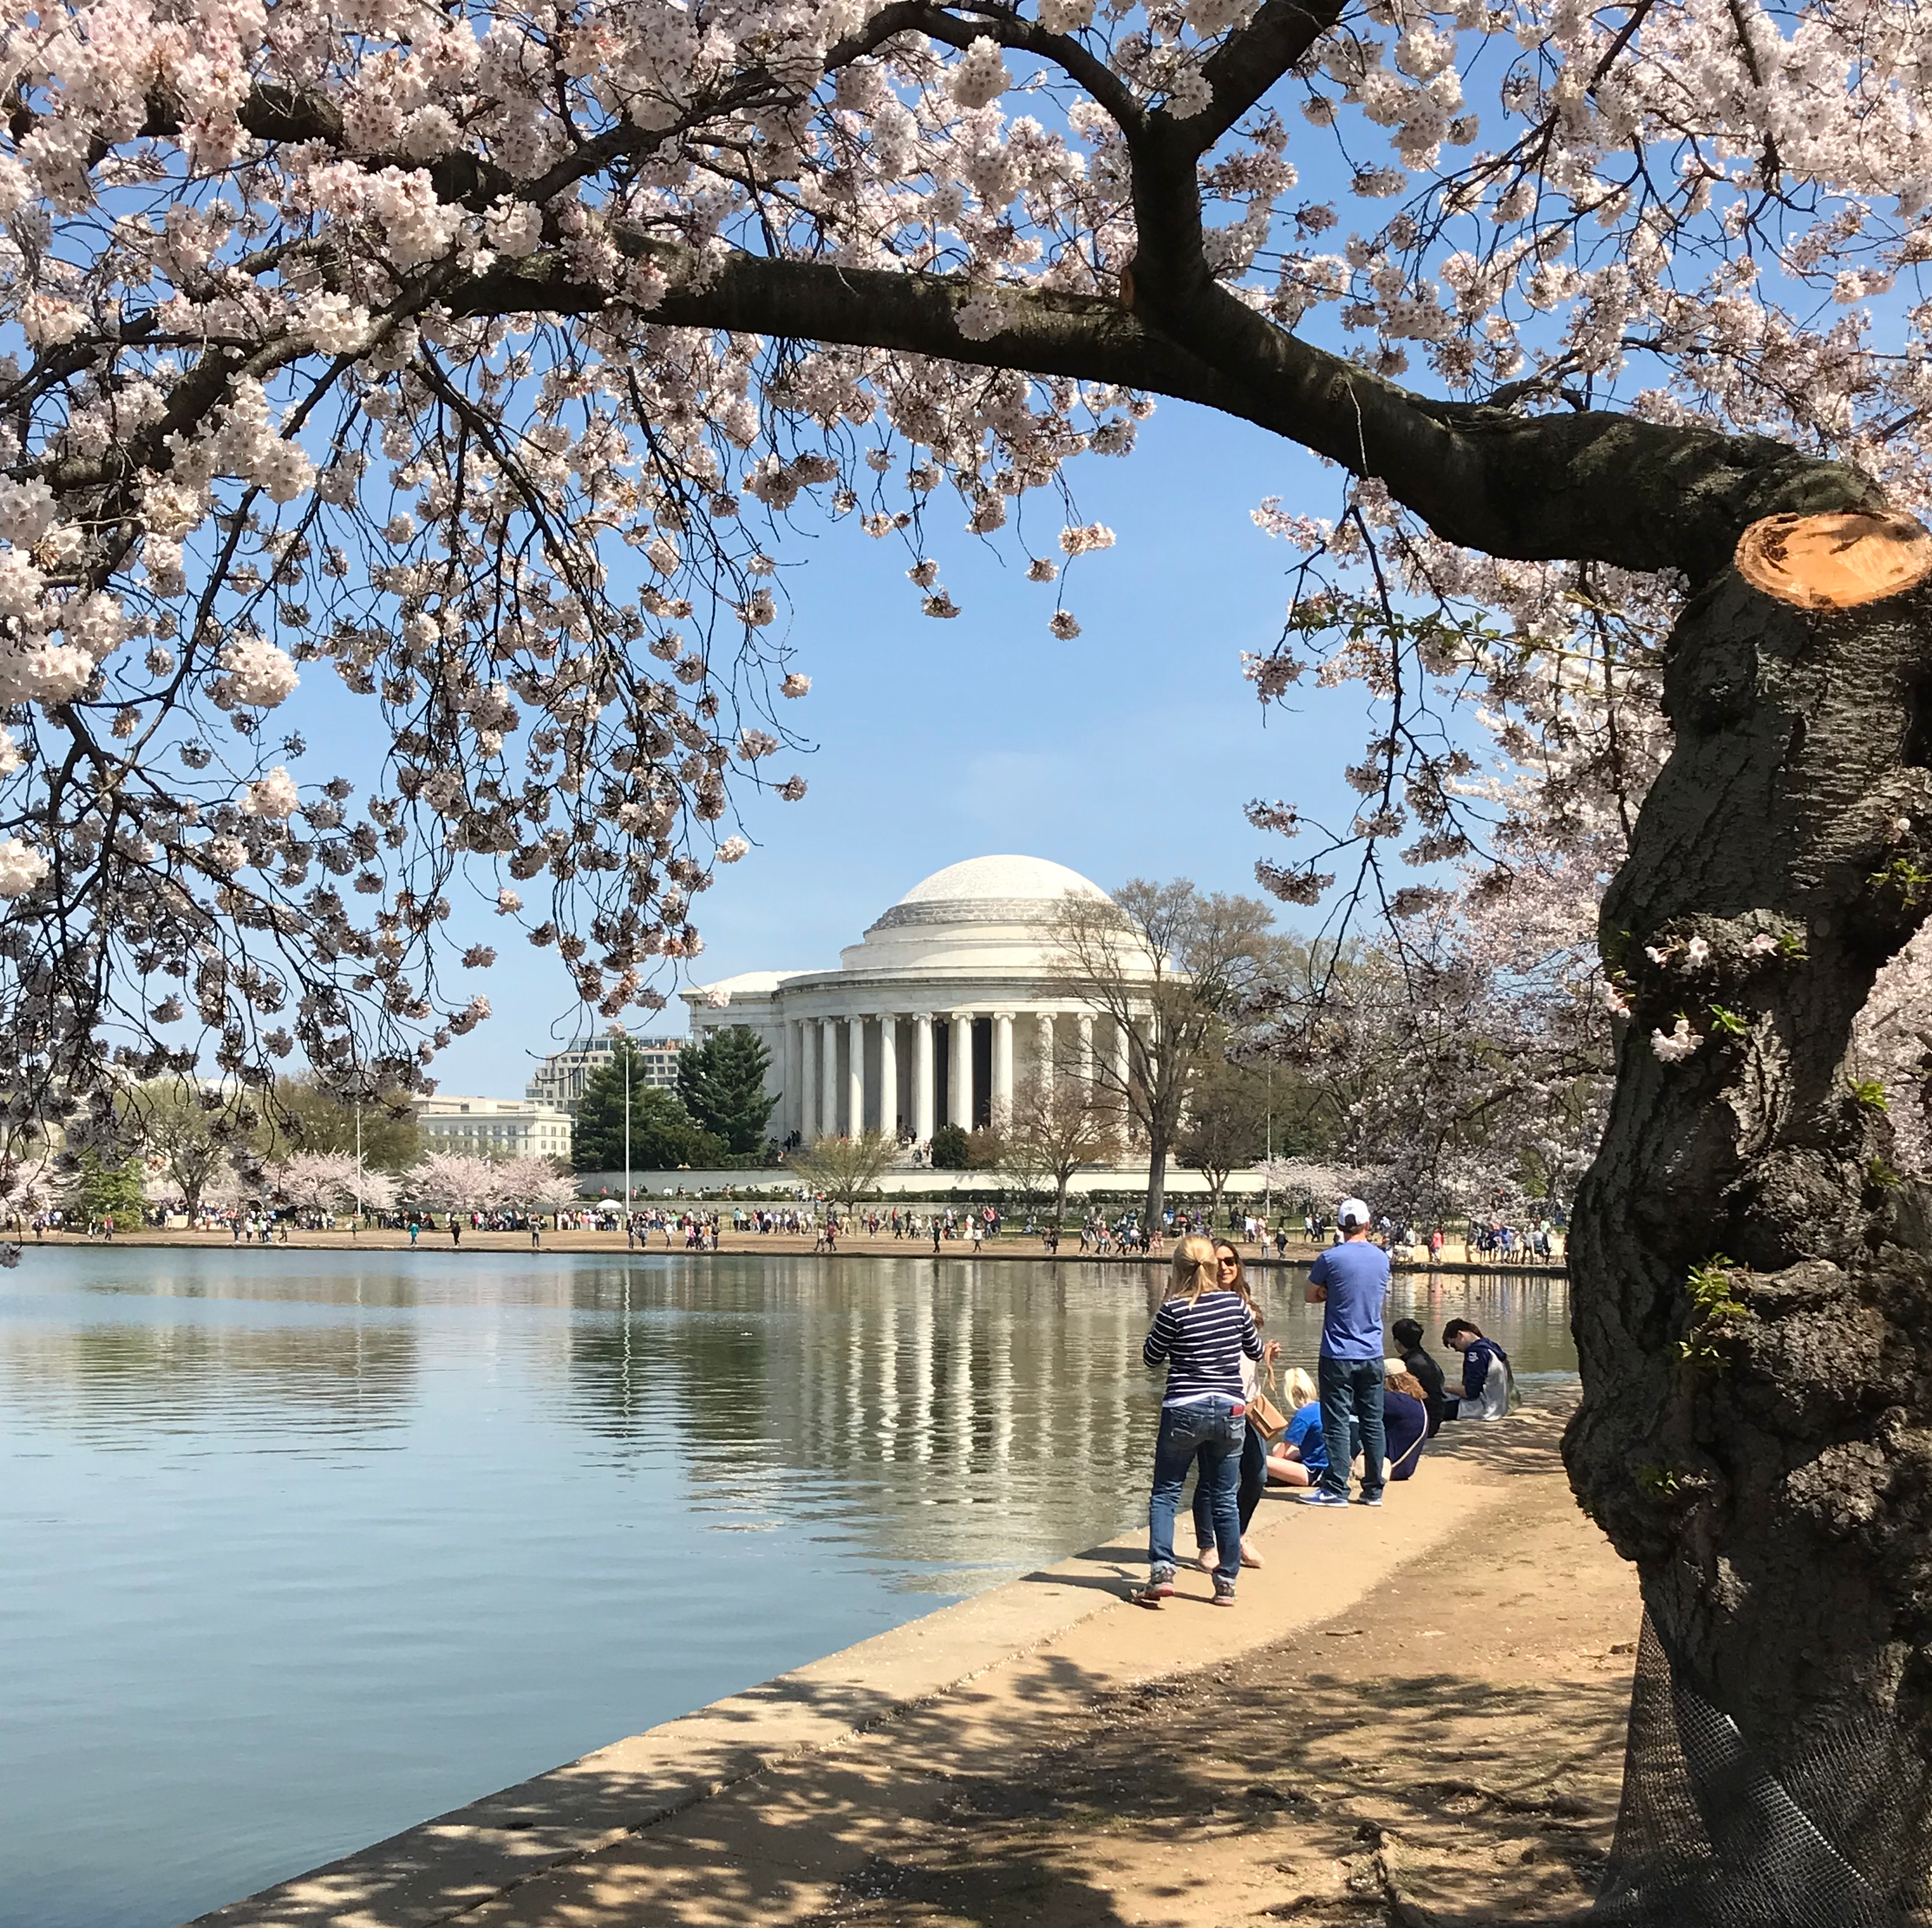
(1248, 1490)
(1351, 1390)
(1211, 1430)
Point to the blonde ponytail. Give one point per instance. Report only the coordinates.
(1196, 1269)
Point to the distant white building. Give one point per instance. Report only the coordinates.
(560, 1079)
(950, 998)
(507, 1127)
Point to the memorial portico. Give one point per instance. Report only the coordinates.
(950, 1002)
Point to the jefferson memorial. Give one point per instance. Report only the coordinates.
(948, 1001)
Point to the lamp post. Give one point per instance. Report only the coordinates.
(1267, 1179)
(627, 1147)
(356, 1229)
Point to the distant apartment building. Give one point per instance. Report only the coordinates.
(560, 1079)
(507, 1127)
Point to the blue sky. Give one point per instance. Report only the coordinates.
(1130, 751)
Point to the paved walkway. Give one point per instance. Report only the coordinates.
(778, 1805)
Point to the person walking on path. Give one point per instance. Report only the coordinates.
(1253, 1480)
(1349, 1282)
(1201, 1333)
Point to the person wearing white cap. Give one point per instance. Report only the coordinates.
(1349, 1282)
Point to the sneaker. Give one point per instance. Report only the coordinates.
(1322, 1497)
(1224, 1594)
(1365, 1501)
(1152, 1594)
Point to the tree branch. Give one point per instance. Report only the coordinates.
(1595, 485)
(1246, 64)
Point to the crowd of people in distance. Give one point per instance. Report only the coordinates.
(1219, 1418)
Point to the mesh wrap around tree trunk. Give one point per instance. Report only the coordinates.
(1720, 1828)
(1752, 1302)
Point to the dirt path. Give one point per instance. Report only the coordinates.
(1449, 1752)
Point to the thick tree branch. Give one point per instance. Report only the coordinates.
(1242, 69)
(1595, 485)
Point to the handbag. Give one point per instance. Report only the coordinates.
(1264, 1416)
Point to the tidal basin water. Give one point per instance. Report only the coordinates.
(301, 1548)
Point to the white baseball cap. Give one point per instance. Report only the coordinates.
(1351, 1211)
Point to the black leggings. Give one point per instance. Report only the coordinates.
(1253, 1483)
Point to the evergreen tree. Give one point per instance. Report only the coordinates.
(663, 1136)
(98, 1188)
(722, 1083)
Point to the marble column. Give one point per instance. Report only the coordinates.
(828, 1077)
(1045, 1021)
(855, 1075)
(808, 1078)
(888, 1074)
(788, 1073)
(959, 1076)
(922, 1076)
(1123, 1057)
(1085, 1058)
(1003, 1066)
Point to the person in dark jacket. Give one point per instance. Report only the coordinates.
(1489, 1381)
(1420, 1364)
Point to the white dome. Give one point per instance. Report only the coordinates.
(1000, 879)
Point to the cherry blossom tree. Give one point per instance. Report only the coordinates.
(316, 1182)
(481, 360)
(454, 1181)
(532, 1185)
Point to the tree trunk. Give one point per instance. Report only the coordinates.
(1156, 1190)
(1761, 1447)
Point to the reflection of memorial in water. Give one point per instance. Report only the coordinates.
(930, 1410)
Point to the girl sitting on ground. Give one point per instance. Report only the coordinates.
(1300, 1456)
(1405, 1418)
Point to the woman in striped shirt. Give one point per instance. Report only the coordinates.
(1200, 1335)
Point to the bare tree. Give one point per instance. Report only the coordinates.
(1059, 1122)
(190, 1130)
(1226, 1127)
(845, 1169)
(1166, 965)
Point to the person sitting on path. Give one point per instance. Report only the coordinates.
(1349, 1281)
(1201, 1334)
(1405, 1418)
(1298, 1457)
(1489, 1381)
(1420, 1364)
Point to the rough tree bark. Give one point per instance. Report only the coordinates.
(1762, 1446)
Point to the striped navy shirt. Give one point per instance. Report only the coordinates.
(1202, 1343)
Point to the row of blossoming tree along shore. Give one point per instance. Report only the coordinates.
(483, 359)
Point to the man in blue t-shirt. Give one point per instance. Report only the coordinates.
(1349, 1282)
